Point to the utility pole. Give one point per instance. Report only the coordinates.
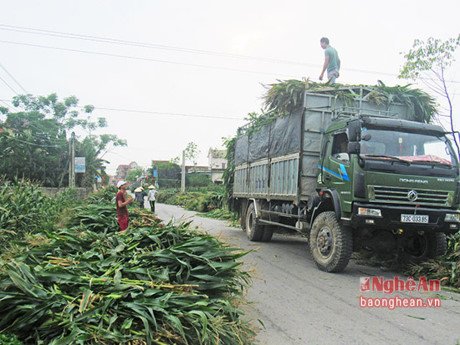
(182, 185)
(72, 161)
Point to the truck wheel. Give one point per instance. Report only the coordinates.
(243, 211)
(421, 247)
(438, 244)
(268, 233)
(330, 244)
(254, 230)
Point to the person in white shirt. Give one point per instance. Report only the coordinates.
(151, 197)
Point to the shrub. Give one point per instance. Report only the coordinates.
(24, 209)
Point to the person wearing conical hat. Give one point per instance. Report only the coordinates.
(122, 201)
(139, 196)
(151, 197)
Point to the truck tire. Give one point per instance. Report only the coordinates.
(243, 212)
(254, 230)
(268, 233)
(331, 245)
(438, 245)
(421, 247)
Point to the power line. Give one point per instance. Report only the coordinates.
(8, 85)
(110, 40)
(160, 113)
(146, 59)
(11, 76)
(170, 114)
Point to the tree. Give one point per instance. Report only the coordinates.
(191, 152)
(34, 144)
(134, 174)
(168, 174)
(428, 62)
(93, 148)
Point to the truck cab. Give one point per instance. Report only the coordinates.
(396, 185)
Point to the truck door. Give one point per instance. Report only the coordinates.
(337, 170)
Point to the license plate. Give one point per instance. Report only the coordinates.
(414, 218)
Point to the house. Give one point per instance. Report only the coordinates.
(196, 169)
(122, 170)
(217, 164)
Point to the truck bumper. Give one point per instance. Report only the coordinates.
(391, 218)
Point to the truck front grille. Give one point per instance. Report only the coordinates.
(398, 195)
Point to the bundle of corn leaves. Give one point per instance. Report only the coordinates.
(446, 268)
(150, 285)
(285, 97)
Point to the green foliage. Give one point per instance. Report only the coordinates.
(285, 97)
(24, 209)
(430, 56)
(229, 172)
(104, 195)
(191, 151)
(134, 174)
(8, 339)
(428, 61)
(418, 101)
(446, 268)
(169, 174)
(201, 200)
(197, 180)
(155, 283)
(34, 145)
(92, 148)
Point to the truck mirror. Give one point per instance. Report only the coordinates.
(354, 147)
(354, 130)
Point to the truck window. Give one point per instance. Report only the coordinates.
(340, 147)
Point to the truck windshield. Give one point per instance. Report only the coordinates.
(406, 146)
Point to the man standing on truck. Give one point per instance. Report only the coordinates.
(331, 61)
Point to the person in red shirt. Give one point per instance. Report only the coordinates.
(123, 200)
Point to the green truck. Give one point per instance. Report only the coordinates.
(350, 174)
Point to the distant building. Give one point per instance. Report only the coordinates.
(122, 170)
(133, 165)
(217, 164)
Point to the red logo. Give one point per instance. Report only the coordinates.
(364, 284)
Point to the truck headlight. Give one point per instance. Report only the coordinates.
(452, 217)
(372, 212)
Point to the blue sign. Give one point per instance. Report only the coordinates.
(80, 165)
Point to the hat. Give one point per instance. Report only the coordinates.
(151, 187)
(121, 183)
(138, 189)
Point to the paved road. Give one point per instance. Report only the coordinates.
(298, 304)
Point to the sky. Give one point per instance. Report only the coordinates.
(190, 71)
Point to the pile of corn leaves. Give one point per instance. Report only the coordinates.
(154, 284)
(446, 268)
